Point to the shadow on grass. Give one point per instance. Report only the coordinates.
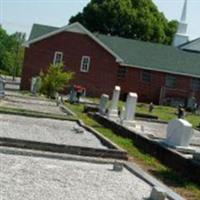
(171, 178)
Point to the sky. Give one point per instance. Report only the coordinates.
(19, 15)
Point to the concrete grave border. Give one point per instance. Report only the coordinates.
(132, 168)
(114, 150)
(167, 155)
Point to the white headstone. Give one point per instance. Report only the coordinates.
(179, 133)
(130, 107)
(103, 103)
(113, 110)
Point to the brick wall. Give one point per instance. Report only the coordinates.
(101, 77)
(148, 92)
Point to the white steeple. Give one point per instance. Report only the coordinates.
(181, 36)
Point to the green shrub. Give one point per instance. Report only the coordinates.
(54, 80)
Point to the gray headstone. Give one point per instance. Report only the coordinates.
(158, 193)
(35, 85)
(103, 103)
(118, 167)
(2, 87)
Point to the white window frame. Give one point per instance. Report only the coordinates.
(82, 69)
(55, 55)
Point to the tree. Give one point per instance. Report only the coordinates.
(55, 80)
(11, 53)
(18, 53)
(137, 19)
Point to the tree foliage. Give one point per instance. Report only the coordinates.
(54, 80)
(11, 52)
(137, 19)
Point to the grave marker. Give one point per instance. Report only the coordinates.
(130, 107)
(103, 103)
(179, 133)
(113, 110)
(2, 87)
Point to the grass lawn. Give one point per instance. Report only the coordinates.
(179, 184)
(165, 113)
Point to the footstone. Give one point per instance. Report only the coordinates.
(113, 110)
(158, 193)
(78, 130)
(118, 167)
(103, 103)
(179, 133)
(130, 108)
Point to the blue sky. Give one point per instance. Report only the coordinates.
(19, 15)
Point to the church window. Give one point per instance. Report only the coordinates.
(121, 73)
(170, 81)
(58, 56)
(195, 84)
(146, 76)
(85, 64)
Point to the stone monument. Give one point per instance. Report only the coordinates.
(35, 85)
(130, 107)
(179, 133)
(2, 87)
(113, 109)
(158, 193)
(103, 104)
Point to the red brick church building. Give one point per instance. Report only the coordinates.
(156, 72)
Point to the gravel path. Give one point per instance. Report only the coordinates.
(31, 178)
(31, 104)
(46, 130)
(159, 130)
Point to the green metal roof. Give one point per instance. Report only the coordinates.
(193, 45)
(141, 54)
(39, 30)
(153, 56)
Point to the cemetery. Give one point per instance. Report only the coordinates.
(32, 104)
(105, 107)
(175, 144)
(56, 176)
(178, 134)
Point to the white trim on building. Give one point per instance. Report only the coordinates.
(85, 64)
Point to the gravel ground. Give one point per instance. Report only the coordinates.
(46, 130)
(159, 130)
(32, 178)
(31, 104)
